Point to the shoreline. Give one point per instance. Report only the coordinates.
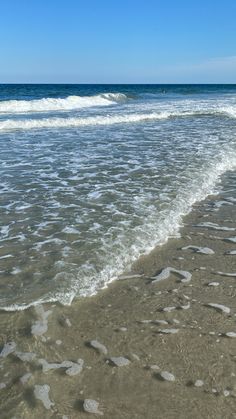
(163, 326)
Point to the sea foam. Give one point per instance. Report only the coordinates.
(60, 104)
(121, 242)
(74, 122)
(156, 230)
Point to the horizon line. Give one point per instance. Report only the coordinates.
(117, 84)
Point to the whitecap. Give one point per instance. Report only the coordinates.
(60, 104)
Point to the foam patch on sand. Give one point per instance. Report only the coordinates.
(41, 325)
(72, 368)
(165, 273)
(202, 250)
(41, 392)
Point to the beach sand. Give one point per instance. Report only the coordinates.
(175, 339)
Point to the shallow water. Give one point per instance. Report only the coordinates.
(141, 346)
(92, 177)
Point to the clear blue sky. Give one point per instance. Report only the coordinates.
(118, 41)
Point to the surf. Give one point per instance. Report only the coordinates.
(74, 122)
(60, 104)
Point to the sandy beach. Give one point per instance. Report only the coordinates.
(117, 210)
(157, 343)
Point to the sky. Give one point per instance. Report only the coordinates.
(117, 41)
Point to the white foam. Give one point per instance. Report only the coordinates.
(6, 256)
(214, 226)
(73, 122)
(165, 273)
(202, 250)
(72, 368)
(231, 252)
(219, 204)
(58, 104)
(54, 241)
(231, 334)
(70, 230)
(41, 392)
(230, 239)
(230, 274)
(41, 325)
(25, 356)
(157, 228)
(25, 378)
(16, 271)
(168, 331)
(91, 406)
(4, 232)
(220, 307)
(7, 349)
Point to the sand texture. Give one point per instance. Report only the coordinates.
(158, 343)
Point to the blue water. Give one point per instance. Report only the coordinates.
(93, 176)
(39, 91)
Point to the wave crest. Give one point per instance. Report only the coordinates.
(73, 122)
(58, 104)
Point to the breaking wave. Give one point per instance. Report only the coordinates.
(58, 104)
(73, 122)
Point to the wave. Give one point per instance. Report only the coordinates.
(73, 122)
(160, 226)
(156, 230)
(56, 104)
(27, 124)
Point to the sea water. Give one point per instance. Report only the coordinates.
(93, 176)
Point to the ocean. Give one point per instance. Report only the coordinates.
(94, 176)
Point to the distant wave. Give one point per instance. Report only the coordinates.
(73, 122)
(56, 104)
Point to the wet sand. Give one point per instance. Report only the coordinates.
(175, 338)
